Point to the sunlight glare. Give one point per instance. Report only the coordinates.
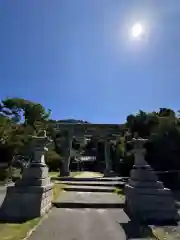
(137, 30)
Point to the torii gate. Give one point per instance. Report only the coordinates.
(104, 131)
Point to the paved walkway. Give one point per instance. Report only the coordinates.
(91, 215)
(82, 224)
(84, 216)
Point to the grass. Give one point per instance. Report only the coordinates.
(53, 174)
(120, 193)
(159, 233)
(73, 174)
(18, 231)
(56, 174)
(171, 232)
(85, 174)
(57, 190)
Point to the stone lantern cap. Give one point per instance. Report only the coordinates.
(41, 140)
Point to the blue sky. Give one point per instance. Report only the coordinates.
(77, 58)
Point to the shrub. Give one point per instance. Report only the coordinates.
(53, 160)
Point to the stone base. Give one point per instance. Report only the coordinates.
(24, 203)
(33, 182)
(143, 174)
(147, 199)
(150, 204)
(35, 175)
(35, 171)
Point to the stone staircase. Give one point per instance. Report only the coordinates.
(89, 208)
(90, 193)
(101, 206)
(90, 179)
(95, 200)
(99, 184)
(95, 183)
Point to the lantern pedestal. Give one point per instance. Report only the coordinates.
(146, 197)
(31, 196)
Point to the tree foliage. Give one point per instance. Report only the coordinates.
(162, 128)
(21, 118)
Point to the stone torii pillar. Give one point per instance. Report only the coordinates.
(64, 171)
(146, 198)
(107, 156)
(108, 170)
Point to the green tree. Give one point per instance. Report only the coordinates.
(28, 112)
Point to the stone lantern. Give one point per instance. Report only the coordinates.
(31, 196)
(37, 172)
(139, 151)
(40, 147)
(146, 198)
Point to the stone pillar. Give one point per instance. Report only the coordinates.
(146, 198)
(64, 171)
(108, 171)
(31, 196)
(107, 156)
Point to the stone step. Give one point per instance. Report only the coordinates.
(87, 205)
(89, 188)
(93, 179)
(88, 200)
(96, 183)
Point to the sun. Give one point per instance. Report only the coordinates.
(136, 30)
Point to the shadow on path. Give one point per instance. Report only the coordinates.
(87, 205)
(137, 230)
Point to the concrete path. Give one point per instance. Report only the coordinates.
(79, 215)
(82, 224)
